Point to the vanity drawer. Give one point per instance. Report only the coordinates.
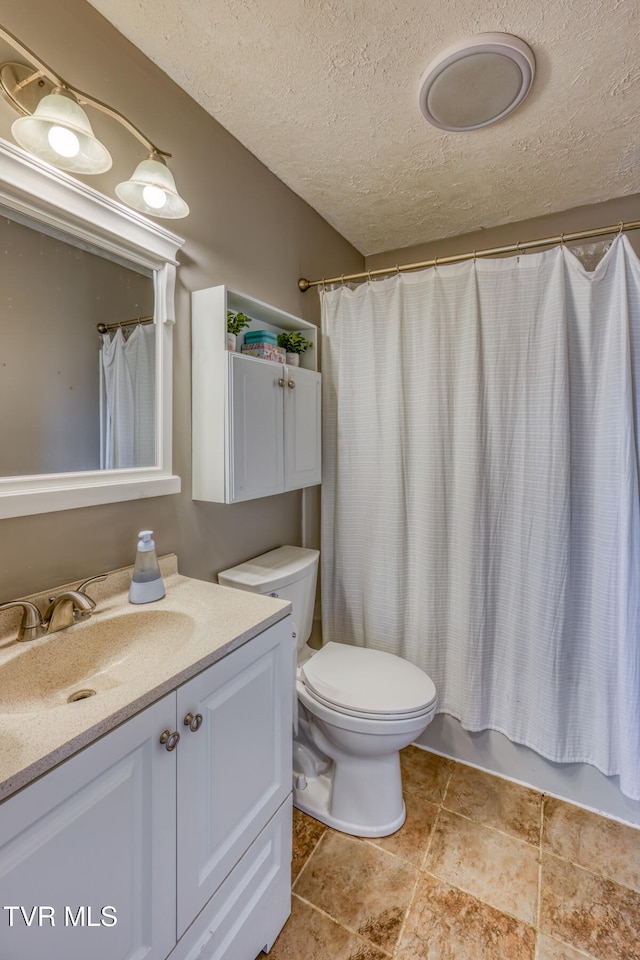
(248, 911)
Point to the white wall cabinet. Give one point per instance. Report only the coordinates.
(274, 442)
(133, 850)
(256, 423)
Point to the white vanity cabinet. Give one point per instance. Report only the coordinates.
(256, 423)
(234, 771)
(94, 833)
(186, 846)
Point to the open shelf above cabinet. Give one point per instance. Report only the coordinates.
(263, 317)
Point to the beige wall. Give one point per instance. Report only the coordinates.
(246, 229)
(554, 224)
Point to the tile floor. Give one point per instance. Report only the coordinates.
(483, 869)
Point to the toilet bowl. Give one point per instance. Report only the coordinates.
(362, 707)
(357, 708)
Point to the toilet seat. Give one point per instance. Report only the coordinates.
(363, 715)
(365, 683)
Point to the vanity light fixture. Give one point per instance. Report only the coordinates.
(152, 189)
(55, 127)
(476, 82)
(59, 131)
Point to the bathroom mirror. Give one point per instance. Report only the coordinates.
(60, 381)
(70, 259)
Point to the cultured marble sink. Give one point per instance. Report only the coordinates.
(96, 654)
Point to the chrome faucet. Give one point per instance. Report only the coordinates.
(63, 611)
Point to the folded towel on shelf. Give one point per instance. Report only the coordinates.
(260, 336)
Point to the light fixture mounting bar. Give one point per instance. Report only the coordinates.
(15, 79)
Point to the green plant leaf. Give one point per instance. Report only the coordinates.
(293, 342)
(236, 322)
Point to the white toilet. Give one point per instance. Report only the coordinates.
(357, 708)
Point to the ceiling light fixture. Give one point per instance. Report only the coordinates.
(55, 128)
(476, 82)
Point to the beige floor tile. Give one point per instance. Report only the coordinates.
(424, 773)
(497, 802)
(310, 935)
(411, 841)
(447, 924)
(589, 912)
(500, 870)
(549, 949)
(306, 833)
(360, 886)
(596, 843)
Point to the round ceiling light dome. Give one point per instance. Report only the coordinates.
(476, 82)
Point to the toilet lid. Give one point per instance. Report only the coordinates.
(359, 680)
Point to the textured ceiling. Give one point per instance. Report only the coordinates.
(324, 92)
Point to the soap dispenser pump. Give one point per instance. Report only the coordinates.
(146, 580)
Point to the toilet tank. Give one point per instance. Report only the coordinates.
(289, 573)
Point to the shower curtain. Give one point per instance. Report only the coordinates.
(480, 506)
(127, 402)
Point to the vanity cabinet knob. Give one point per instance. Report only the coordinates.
(291, 384)
(281, 382)
(193, 721)
(170, 740)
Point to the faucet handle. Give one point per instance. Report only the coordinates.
(81, 588)
(31, 626)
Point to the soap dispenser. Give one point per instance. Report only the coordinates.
(146, 581)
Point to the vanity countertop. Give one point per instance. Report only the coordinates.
(202, 623)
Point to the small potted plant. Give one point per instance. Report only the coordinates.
(295, 344)
(236, 322)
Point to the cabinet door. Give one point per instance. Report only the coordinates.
(90, 843)
(256, 464)
(235, 770)
(302, 428)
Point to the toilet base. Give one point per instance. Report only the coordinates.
(315, 799)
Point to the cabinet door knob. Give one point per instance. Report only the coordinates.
(281, 382)
(193, 721)
(170, 740)
(291, 384)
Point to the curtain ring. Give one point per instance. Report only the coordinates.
(435, 262)
(342, 279)
(369, 276)
(621, 225)
(397, 270)
(562, 239)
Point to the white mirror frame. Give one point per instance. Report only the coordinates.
(42, 193)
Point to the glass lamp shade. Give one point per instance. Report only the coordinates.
(152, 189)
(60, 133)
